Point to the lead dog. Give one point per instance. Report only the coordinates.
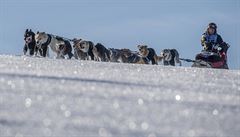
(170, 57)
(148, 53)
(30, 43)
(57, 44)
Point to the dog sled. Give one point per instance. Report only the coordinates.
(217, 58)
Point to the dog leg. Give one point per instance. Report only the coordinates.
(70, 55)
(62, 53)
(88, 57)
(155, 59)
(91, 55)
(177, 60)
(47, 52)
(25, 49)
(36, 51)
(165, 63)
(31, 52)
(58, 55)
(96, 58)
(142, 61)
(40, 52)
(75, 54)
(44, 52)
(172, 62)
(103, 57)
(153, 62)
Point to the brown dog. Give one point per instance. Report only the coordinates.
(148, 53)
(126, 56)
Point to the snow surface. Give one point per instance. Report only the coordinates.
(49, 97)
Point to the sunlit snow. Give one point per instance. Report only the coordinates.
(51, 97)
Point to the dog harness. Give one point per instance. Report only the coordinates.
(48, 40)
(90, 47)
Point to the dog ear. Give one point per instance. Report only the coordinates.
(75, 40)
(145, 46)
(139, 46)
(161, 54)
(37, 32)
(30, 30)
(26, 30)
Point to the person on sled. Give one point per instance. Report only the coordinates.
(211, 38)
(211, 41)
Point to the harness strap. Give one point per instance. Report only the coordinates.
(48, 40)
(90, 46)
(173, 53)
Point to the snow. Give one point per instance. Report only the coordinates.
(54, 97)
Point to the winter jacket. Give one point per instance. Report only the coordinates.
(208, 41)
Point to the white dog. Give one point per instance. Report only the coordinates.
(57, 44)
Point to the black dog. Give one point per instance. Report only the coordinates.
(30, 43)
(101, 53)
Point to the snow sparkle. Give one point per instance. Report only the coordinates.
(28, 102)
(178, 97)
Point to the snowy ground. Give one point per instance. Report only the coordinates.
(48, 97)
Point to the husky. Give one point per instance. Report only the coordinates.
(116, 55)
(57, 44)
(101, 53)
(134, 57)
(78, 53)
(170, 57)
(87, 48)
(148, 53)
(96, 52)
(30, 43)
(126, 56)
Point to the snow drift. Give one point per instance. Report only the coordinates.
(49, 97)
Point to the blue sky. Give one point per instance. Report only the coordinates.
(124, 23)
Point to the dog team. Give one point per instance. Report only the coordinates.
(41, 42)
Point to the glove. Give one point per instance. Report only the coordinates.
(205, 46)
(217, 47)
